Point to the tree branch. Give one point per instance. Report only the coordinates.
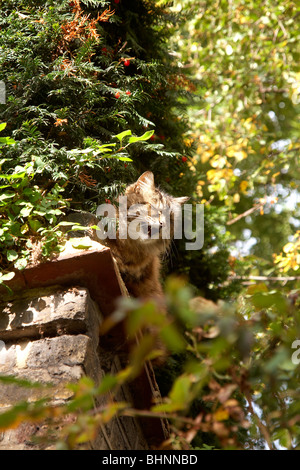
(267, 278)
(244, 214)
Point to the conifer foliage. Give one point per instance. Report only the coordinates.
(78, 74)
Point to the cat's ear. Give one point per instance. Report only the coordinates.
(146, 180)
(181, 200)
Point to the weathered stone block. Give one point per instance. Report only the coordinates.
(55, 361)
(49, 312)
(52, 336)
(48, 336)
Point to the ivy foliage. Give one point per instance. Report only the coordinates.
(77, 76)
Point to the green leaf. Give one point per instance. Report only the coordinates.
(21, 174)
(12, 380)
(143, 137)
(21, 263)
(280, 359)
(11, 417)
(123, 134)
(6, 277)
(12, 255)
(78, 227)
(6, 195)
(269, 299)
(180, 393)
(124, 159)
(254, 289)
(141, 353)
(6, 141)
(81, 246)
(284, 437)
(105, 147)
(147, 314)
(172, 338)
(66, 224)
(3, 126)
(26, 210)
(179, 397)
(23, 411)
(34, 224)
(117, 157)
(108, 382)
(83, 402)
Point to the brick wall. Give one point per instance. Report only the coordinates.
(52, 335)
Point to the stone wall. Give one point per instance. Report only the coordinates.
(51, 335)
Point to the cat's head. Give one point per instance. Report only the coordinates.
(151, 212)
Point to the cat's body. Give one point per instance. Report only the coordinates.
(140, 270)
(139, 257)
(139, 260)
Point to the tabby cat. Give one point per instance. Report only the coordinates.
(139, 259)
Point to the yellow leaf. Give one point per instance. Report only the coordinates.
(221, 414)
(275, 175)
(192, 167)
(230, 152)
(289, 247)
(188, 142)
(215, 175)
(206, 155)
(240, 141)
(199, 191)
(24, 229)
(236, 198)
(244, 186)
(241, 155)
(204, 139)
(218, 162)
(236, 151)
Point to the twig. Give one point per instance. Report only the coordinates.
(272, 90)
(264, 430)
(267, 278)
(244, 214)
(130, 412)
